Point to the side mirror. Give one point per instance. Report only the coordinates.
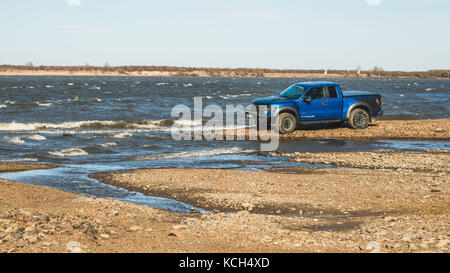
(306, 99)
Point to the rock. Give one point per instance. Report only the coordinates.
(113, 213)
(248, 206)
(175, 234)
(194, 210)
(41, 218)
(67, 226)
(135, 228)
(439, 130)
(243, 213)
(423, 245)
(389, 219)
(88, 229)
(179, 227)
(406, 239)
(30, 238)
(46, 244)
(266, 239)
(104, 236)
(412, 247)
(442, 243)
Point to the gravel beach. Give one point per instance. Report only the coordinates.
(399, 207)
(435, 129)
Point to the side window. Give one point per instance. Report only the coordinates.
(332, 93)
(316, 93)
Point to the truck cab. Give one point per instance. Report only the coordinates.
(322, 102)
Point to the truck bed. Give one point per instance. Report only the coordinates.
(357, 93)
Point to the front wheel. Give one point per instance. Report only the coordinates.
(288, 123)
(359, 119)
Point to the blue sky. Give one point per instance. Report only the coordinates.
(393, 34)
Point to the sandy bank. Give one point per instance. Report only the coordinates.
(427, 161)
(22, 167)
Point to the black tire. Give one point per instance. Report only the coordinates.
(288, 123)
(359, 119)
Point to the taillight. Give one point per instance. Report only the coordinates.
(379, 102)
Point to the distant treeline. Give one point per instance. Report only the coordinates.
(245, 72)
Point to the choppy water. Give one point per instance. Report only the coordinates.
(93, 124)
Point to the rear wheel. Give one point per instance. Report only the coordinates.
(288, 123)
(359, 119)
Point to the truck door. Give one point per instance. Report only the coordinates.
(334, 102)
(315, 108)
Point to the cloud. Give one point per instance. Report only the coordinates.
(73, 2)
(373, 2)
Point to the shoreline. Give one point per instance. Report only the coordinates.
(198, 73)
(169, 183)
(19, 167)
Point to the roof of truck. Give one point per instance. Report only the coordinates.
(314, 84)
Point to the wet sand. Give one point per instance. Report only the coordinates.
(13, 167)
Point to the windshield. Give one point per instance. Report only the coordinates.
(293, 92)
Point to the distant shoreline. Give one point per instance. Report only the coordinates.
(166, 71)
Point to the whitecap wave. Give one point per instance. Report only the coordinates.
(43, 104)
(89, 124)
(233, 150)
(123, 135)
(69, 152)
(108, 144)
(15, 140)
(116, 127)
(2, 106)
(35, 137)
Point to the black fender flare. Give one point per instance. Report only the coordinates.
(289, 109)
(356, 105)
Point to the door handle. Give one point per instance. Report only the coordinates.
(324, 103)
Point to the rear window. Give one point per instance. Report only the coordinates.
(332, 92)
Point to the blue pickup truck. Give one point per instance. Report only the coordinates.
(322, 102)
